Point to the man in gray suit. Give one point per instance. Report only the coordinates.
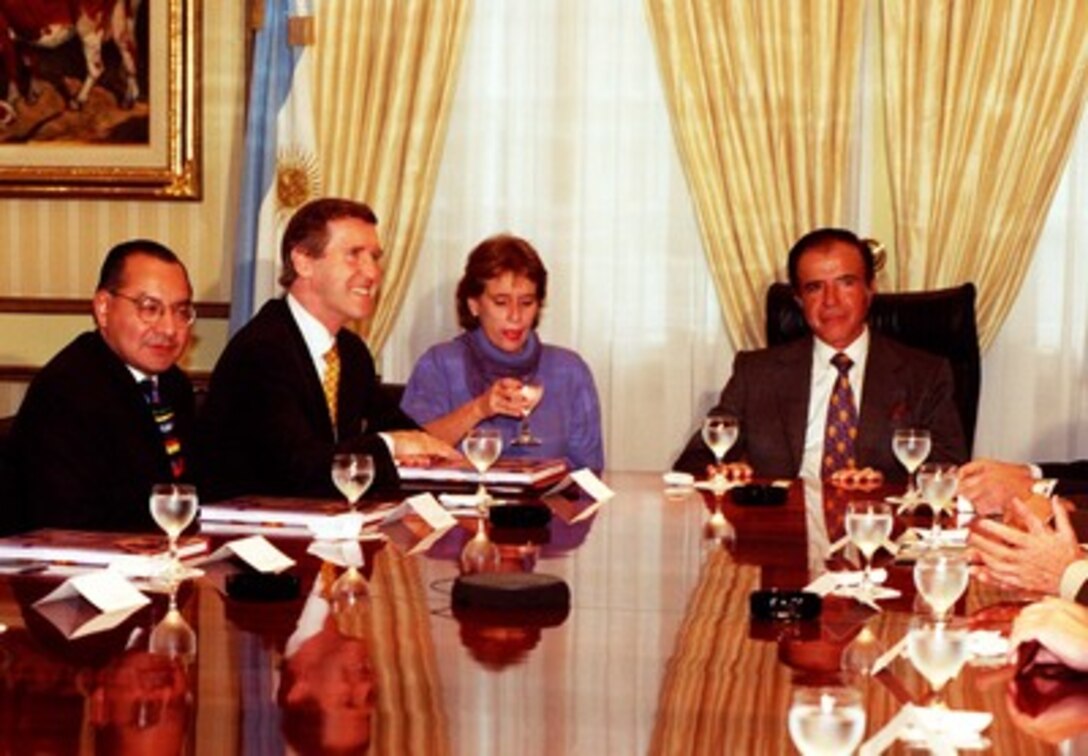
(781, 395)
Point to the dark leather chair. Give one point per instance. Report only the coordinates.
(941, 321)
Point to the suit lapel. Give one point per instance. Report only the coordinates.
(306, 374)
(882, 391)
(793, 383)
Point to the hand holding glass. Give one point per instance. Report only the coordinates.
(911, 446)
(720, 433)
(482, 446)
(173, 507)
(868, 523)
(352, 475)
(532, 392)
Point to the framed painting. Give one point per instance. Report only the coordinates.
(132, 131)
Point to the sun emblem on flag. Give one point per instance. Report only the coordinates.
(298, 179)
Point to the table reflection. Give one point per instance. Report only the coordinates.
(657, 653)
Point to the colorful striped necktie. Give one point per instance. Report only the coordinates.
(330, 383)
(163, 414)
(841, 431)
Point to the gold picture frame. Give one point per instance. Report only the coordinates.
(105, 147)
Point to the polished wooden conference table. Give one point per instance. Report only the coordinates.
(657, 654)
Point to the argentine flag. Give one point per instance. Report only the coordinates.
(281, 164)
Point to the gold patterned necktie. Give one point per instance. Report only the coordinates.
(331, 382)
(841, 431)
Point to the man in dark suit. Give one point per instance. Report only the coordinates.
(111, 414)
(294, 386)
(781, 395)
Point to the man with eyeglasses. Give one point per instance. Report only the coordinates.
(111, 414)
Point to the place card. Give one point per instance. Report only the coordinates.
(426, 507)
(343, 553)
(257, 552)
(592, 485)
(345, 526)
(91, 603)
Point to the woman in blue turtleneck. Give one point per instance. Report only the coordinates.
(476, 379)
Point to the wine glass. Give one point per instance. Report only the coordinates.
(826, 721)
(482, 446)
(868, 524)
(937, 650)
(941, 578)
(352, 474)
(480, 553)
(937, 484)
(532, 391)
(173, 507)
(720, 433)
(911, 446)
(173, 636)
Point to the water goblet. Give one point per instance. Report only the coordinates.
(482, 446)
(720, 433)
(938, 651)
(352, 475)
(937, 485)
(868, 524)
(941, 578)
(911, 446)
(173, 507)
(826, 721)
(532, 392)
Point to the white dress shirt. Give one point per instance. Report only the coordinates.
(824, 375)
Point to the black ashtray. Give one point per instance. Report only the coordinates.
(759, 495)
(519, 515)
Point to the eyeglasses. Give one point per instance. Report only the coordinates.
(150, 310)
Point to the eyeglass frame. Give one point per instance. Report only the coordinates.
(150, 310)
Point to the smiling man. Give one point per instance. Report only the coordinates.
(294, 386)
(831, 401)
(111, 414)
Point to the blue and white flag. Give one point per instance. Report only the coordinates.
(281, 164)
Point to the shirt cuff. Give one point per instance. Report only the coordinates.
(1044, 486)
(1073, 579)
(1036, 471)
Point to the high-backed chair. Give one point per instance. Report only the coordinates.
(941, 321)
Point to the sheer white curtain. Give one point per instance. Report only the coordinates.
(1035, 375)
(560, 133)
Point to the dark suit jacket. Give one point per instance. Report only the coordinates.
(265, 427)
(769, 394)
(1072, 476)
(86, 449)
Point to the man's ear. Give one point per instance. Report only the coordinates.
(474, 306)
(100, 306)
(304, 263)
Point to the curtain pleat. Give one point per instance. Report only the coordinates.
(982, 101)
(386, 73)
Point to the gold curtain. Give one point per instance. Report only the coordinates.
(385, 74)
(762, 99)
(982, 101)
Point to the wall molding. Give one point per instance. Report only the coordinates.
(65, 306)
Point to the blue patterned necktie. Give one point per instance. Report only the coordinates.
(841, 431)
(163, 415)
